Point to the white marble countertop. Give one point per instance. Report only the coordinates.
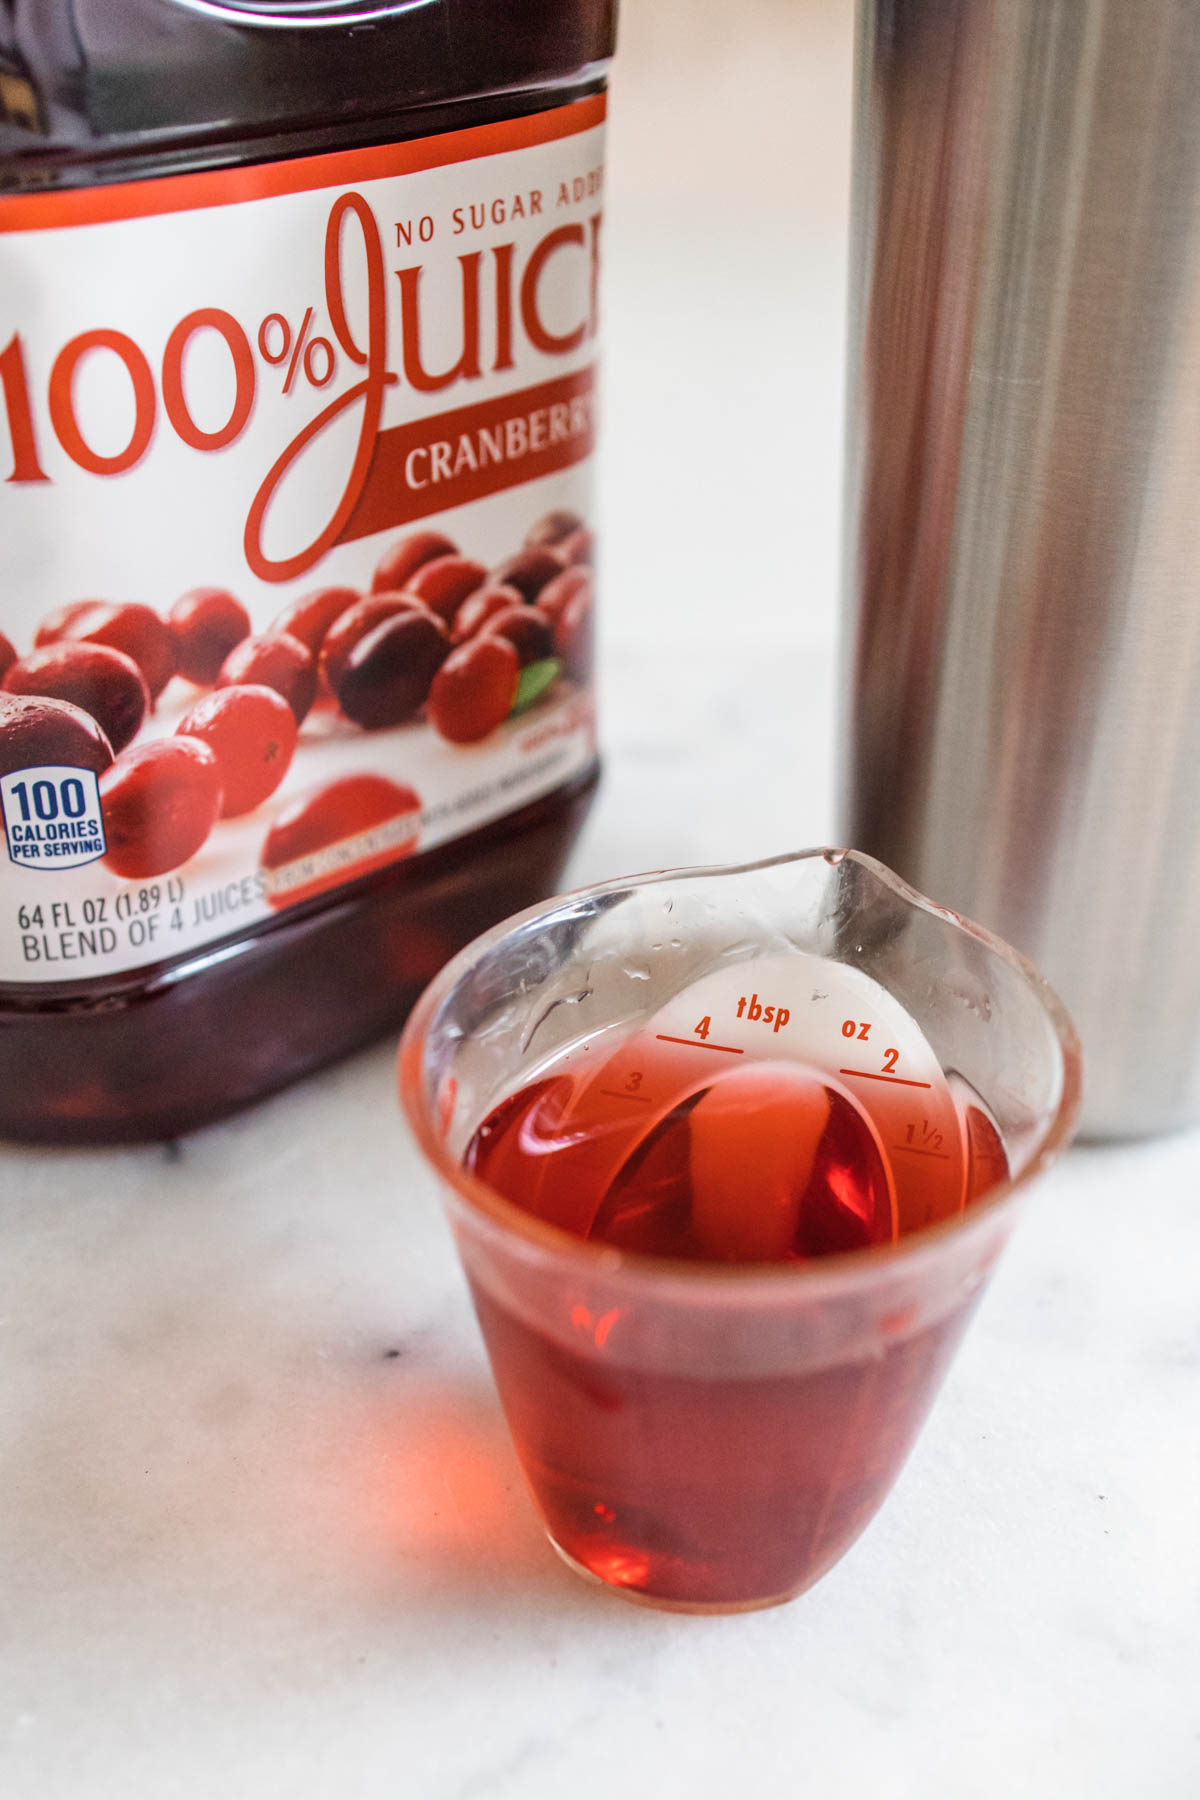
(262, 1536)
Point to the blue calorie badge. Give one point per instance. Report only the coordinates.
(52, 817)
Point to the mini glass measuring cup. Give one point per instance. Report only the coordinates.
(822, 1095)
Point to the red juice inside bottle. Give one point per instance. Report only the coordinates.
(710, 1486)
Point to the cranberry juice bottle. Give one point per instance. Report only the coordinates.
(298, 322)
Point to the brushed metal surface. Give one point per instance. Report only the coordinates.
(1022, 732)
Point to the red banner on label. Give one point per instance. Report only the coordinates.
(438, 463)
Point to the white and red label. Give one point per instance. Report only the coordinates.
(265, 382)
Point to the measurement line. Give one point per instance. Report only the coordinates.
(911, 1150)
(619, 1094)
(698, 1044)
(897, 1080)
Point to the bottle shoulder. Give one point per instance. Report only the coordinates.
(98, 90)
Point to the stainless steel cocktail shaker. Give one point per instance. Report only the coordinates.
(1022, 733)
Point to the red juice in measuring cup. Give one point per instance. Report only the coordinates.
(708, 1482)
(729, 1155)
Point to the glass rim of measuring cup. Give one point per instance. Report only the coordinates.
(839, 1269)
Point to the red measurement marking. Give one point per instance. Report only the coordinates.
(911, 1150)
(622, 1094)
(729, 1049)
(897, 1080)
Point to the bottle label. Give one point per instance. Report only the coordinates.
(295, 528)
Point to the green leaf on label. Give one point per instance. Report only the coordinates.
(534, 682)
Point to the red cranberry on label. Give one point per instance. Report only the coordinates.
(580, 547)
(310, 617)
(529, 571)
(444, 583)
(58, 623)
(36, 732)
(385, 678)
(573, 635)
(8, 656)
(526, 628)
(383, 815)
(479, 607)
(400, 562)
(160, 800)
(564, 587)
(101, 681)
(252, 733)
(280, 662)
(550, 530)
(134, 629)
(355, 623)
(206, 624)
(474, 689)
